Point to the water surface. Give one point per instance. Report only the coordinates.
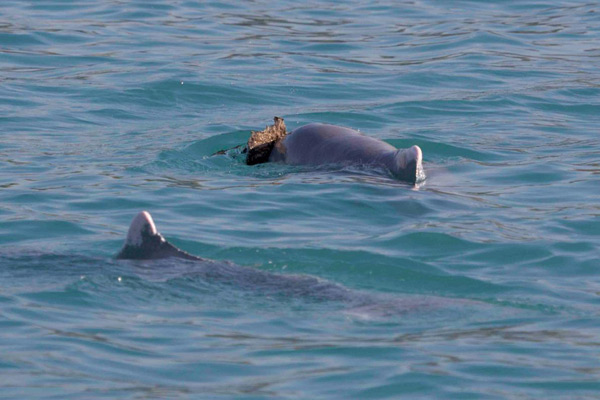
(482, 282)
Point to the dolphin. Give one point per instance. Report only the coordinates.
(144, 242)
(318, 144)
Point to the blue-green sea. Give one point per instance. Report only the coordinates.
(328, 282)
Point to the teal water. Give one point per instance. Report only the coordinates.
(481, 283)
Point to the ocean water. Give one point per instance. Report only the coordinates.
(483, 282)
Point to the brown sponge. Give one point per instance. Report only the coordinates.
(261, 143)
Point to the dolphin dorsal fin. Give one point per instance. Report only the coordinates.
(408, 164)
(142, 226)
(143, 242)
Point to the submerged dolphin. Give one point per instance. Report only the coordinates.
(143, 242)
(316, 144)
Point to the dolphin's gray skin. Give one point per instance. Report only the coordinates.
(143, 242)
(316, 143)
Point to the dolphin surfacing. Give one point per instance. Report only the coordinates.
(318, 144)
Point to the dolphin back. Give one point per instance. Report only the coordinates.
(316, 144)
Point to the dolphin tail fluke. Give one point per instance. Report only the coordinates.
(409, 164)
(143, 242)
